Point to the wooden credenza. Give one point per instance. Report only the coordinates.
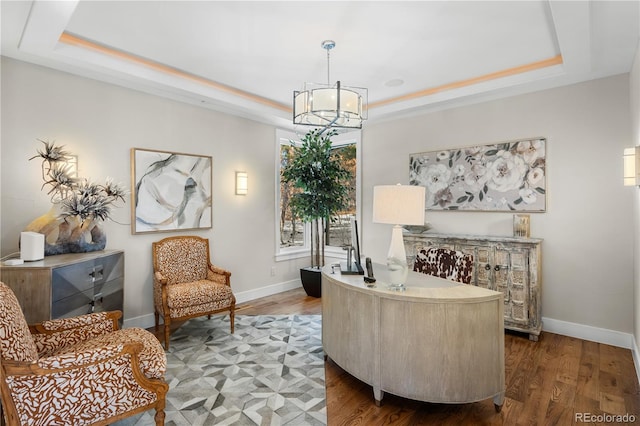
(439, 341)
(67, 285)
(506, 264)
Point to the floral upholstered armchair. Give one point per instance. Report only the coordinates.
(77, 371)
(186, 284)
(444, 263)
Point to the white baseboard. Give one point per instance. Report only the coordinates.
(246, 296)
(143, 321)
(147, 321)
(587, 332)
(636, 357)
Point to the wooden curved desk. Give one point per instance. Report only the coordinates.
(438, 341)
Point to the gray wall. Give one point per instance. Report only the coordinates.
(587, 229)
(634, 81)
(588, 226)
(101, 123)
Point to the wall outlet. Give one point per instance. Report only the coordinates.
(273, 271)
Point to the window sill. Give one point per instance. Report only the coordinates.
(291, 255)
(330, 252)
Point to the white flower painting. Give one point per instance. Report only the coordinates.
(508, 176)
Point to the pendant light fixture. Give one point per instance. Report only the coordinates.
(329, 106)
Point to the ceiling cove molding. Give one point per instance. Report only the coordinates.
(79, 42)
(556, 60)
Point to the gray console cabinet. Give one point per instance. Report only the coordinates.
(68, 285)
(507, 264)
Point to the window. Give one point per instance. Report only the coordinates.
(292, 235)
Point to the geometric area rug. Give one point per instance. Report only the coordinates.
(269, 372)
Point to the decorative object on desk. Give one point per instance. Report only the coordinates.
(398, 205)
(369, 279)
(324, 105)
(509, 176)
(319, 175)
(172, 191)
(73, 224)
(521, 226)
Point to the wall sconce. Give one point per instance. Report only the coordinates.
(632, 166)
(242, 183)
(71, 163)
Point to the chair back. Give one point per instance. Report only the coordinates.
(181, 259)
(16, 343)
(444, 263)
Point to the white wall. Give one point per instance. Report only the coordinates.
(634, 83)
(587, 261)
(588, 226)
(101, 123)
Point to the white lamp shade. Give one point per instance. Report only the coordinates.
(399, 204)
(320, 105)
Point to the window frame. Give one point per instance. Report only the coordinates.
(284, 137)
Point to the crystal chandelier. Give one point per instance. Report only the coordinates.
(326, 105)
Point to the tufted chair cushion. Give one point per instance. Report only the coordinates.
(203, 291)
(16, 343)
(444, 263)
(182, 260)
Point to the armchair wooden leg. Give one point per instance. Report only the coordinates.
(167, 328)
(156, 316)
(232, 317)
(159, 417)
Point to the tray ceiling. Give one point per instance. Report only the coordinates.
(247, 57)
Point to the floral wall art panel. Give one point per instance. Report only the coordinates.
(170, 191)
(509, 176)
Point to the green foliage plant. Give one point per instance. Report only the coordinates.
(316, 170)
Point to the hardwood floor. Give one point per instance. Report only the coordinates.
(548, 382)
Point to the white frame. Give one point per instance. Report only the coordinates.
(288, 253)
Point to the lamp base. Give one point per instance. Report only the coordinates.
(396, 287)
(397, 261)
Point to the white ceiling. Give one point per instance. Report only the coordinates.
(247, 57)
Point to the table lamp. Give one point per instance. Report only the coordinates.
(398, 205)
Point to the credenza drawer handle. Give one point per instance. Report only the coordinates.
(487, 267)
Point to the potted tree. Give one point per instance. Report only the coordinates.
(319, 175)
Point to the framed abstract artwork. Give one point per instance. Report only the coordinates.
(170, 191)
(508, 176)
